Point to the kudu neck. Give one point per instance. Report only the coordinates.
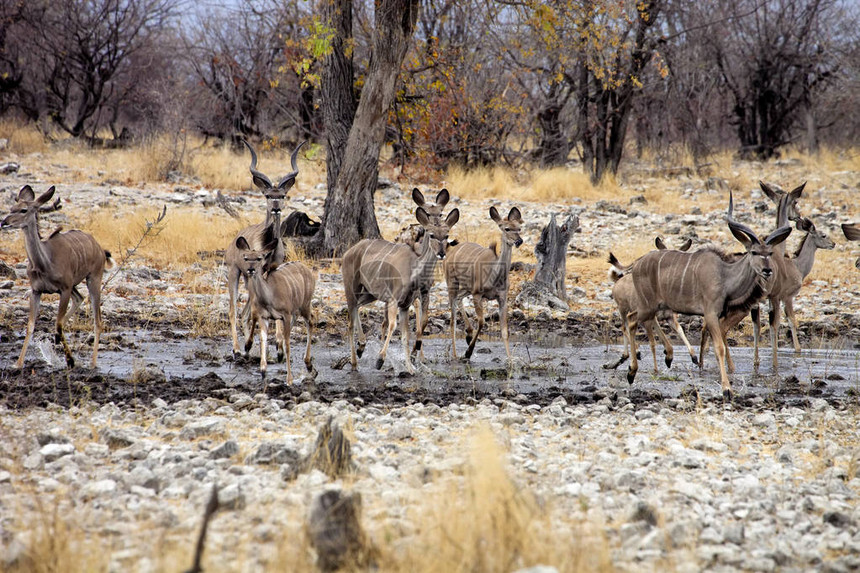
(805, 257)
(36, 250)
(741, 280)
(500, 271)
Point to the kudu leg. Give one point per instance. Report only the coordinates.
(503, 319)
(65, 297)
(352, 316)
(649, 331)
(773, 315)
(668, 349)
(286, 331)
(755, 313)
(626, 354)
(479, 319)
(632, 319)
(35, 301)
(404, 335)
(679, 330)
(792, 320)
(309, 361)
(419, 330)
(392, 323)
(713, 325)
(264, 332)
(233, 293)
(95, 289)
(452, 305)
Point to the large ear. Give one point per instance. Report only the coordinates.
(494, 215)
(46, 196)
(797, 192)
(452, 218)
(658, 242)
(515, 215)
(742, 235)
(26, 194)
(443, 197)
(778, 236)
(287, 182)
(242, 244)
(686, 245)
(422, 216)
(804, 224)
(418, 197)
(851, 231)
(772, 191)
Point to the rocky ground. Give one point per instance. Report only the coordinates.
(617, 477)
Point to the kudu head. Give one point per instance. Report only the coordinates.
(435, 230)
(275, 194)
(758, 252)
(775, 194)
(509, 226)
(433, 210)
(262, 261)
(27, 207)
(818, 238)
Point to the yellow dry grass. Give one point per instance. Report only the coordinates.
(23, 137)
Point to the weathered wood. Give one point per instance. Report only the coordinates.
(551, 253)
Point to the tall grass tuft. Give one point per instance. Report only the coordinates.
(23, 137)
(483, 521)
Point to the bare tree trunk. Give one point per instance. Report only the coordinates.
(353, 174)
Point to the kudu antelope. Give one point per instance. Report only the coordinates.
(852, 233)
(784, 283)
(624, 294)
(412, 235)
(482, 272)
(275, 199)
(702, 283)
(276, 291)
(374, 269)
(57, 265)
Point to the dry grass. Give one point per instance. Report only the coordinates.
(23, 137)
(186, 232)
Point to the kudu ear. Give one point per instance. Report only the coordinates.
(515, 215)
(772, 191)
(422, 216)
(452, 218)
(778, 236)
(442, 198)
(851, 231)
(805, 225)
(287, 182)
(26, 194)
(797, 192)
(418, 197)
(686, 245)
(46, 196)
(242, 244)
(658, 242)
(741, 235)
(494, 215)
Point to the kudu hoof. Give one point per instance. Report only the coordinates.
(359, 351)
(280, 357)
(668, 361)
(638, 355)
(727, 395)
(631, 376)
(379, 362)
(70, 361)
(695, 360)
(263, 375)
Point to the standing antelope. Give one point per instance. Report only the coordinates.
(275, 199)
(624, 294)
(703, 283)
(852, 233)
(784, 283)
(412, 235)
(57, 265)
(374, 269)
(471, 269)
(276, 291)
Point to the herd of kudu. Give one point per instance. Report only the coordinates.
(722, 288)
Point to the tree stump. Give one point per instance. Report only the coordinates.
(335, 531)
(548, 287)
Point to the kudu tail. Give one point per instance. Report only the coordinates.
(617, 270)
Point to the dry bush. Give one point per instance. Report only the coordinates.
(23, 137)
(483, 521)
(56, 542)
(483, 183)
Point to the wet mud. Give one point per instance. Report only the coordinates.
(138, 365)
